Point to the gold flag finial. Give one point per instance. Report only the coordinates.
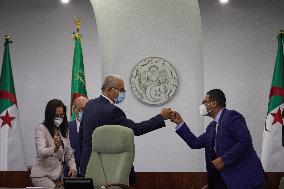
(8, 38)
(78, 22)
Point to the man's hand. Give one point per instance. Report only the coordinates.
(72, 173)
(166, 113)
(176, 118)
(218, 163)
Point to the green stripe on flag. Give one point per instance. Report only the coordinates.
(4, 104)
(7, 89)
(78, 83)
(278, 76)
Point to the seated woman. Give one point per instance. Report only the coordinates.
(52, 148)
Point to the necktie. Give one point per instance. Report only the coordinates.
(214, 136)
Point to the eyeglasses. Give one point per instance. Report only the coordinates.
(60, 115)
(121, 90)
(205, 101)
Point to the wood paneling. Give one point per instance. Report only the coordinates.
(170, 180)
(145, 180)
(15, 179)
(273, 180)
(188, 180)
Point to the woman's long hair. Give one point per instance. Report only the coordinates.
(50, 114)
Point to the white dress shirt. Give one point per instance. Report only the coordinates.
(110, 101)
(78, 124)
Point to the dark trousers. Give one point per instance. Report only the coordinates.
(216, 181)
(132, 179)
(261, 186)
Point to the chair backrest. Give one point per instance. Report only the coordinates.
(112, 155)
(281, 185)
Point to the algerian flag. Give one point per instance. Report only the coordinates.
(78, 84)
(272, 156)
(12, 157)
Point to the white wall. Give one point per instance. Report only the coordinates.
(130, 31)
(239, 52)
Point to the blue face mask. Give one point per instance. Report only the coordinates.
(120, 97)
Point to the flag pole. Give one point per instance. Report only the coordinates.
(76, 35)
(78, 84)
(281, 32)
(13, 156)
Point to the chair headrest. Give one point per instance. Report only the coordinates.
(112, 139)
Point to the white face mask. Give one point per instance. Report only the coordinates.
(57, 121)
(202, 110)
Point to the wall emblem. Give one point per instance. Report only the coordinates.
(154, 81)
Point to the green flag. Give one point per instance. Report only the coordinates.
(276, 96)
(78, 83)
(12, 156)
(272, 145)
(7, 89)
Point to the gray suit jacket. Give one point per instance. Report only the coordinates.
(47, 163)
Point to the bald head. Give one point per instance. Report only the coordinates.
(79, 104)
(111, 81)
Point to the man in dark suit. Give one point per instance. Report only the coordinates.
(102, 111)
(73, 127)
(73, 131)
(231, 160)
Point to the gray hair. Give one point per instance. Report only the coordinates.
(110, 81)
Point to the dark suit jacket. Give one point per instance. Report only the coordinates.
(75, 145)
(74, 141)
(99, 112)
(243, 169)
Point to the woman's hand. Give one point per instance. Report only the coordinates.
(57, 142)
(72, 173)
